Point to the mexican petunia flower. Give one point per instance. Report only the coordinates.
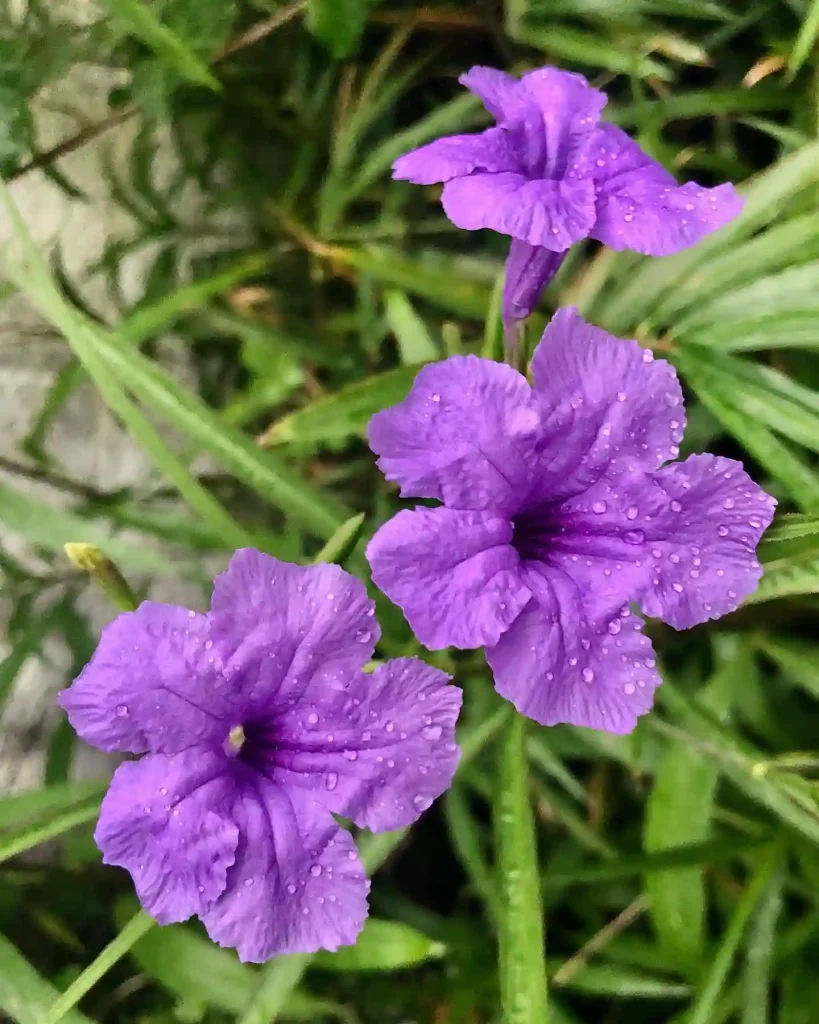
(257, 725)
(558, 512)
(549, 174)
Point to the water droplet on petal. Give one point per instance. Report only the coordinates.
(677, 587)
(422, 802)
(648, 356)
(676, 506)
(722, 531)
(315, 870)
(629, 689)
(122, 710)
(599, 507)
(588, 675)
(312, 718)
(614, 627)
(331, 781)
(431, 732)
(291, 889)
(350, 755)
(634, 537)
(363, 636)
(632, 512)
(389, 726)
(728, 503)
(436, 398)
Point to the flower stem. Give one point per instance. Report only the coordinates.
(522, 964)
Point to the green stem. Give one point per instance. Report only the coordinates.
(114, 951)
(522, 959)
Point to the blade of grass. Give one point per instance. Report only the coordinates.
(24, 995)
(113, 952)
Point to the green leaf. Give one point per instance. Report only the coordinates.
(17, 808)
(586, 48)
(679, 813)
(339, 24)
(759, 954)
(610, 981)
(720, 964)
(522, 964)
(52, 528)
(113, 952)
(415, 343)
(382, 946)
(344, 414)
(787, 577)
(16, 841)
(139, 20)
(25, 996)
(342, 544)
(806, 40)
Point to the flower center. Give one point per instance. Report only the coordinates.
(534, 533)
(235, 741)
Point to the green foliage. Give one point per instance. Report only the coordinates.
(303, 289)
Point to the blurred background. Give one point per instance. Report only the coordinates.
(208, 183)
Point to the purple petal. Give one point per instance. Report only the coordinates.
(495, 89)
(166, 821)
(554, 214)
(616, 161)
(278, 624)
(297, 884)
(567, 658)
(455, 574)
(457, 155)
(151, 684)
(569, 109)
(639, 205)
(465, 435)
(381, 752)
(608, 407)
(529, 269)
(703, 541)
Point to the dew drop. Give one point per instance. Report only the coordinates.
(599, 507)
(634, 537)
(291, 889)
(389, 726)
(614, 627)
(677, 587)
(676, 506)
(331, 781)
(632, 512)
(572, 662)
(436, 398)
(315, 870)
(722, 531)
(588, 675)
(431, 732)
(350, 755)
(363, 636)
(621, 396)
(422, 802)
(629, 689)
(312, 718)
(122, 710)
(648, 356)
(728, 503)
(674, 559)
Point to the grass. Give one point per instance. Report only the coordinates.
(679, 865)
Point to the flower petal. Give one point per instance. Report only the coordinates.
(640, 206)
(380, 752)
(569, 109)
(151, 684)
(457, 155)
(566, 660)
(164, 819)
(529, 269)
(703, 540)
(465, 434)
(454, 574)
(278, 624)
(297, 884)
(608, 407)
(495, 89)
(554, 214)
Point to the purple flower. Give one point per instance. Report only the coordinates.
(556, 514)
(549, 175)
(258, 725)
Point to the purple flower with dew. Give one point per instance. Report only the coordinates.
(258, 725)
(550, 175)
(558, 511)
